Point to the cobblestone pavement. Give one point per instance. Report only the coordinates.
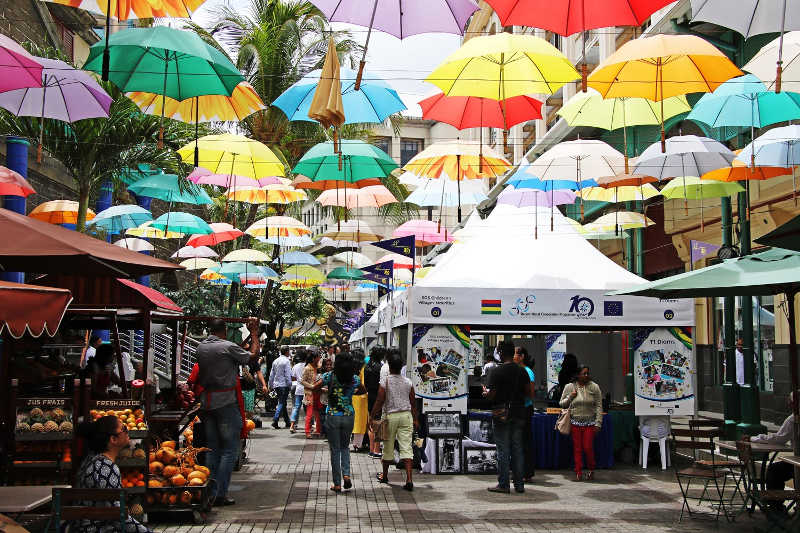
(284, 487)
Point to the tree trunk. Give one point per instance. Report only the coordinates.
(251, 217)
(83, 206)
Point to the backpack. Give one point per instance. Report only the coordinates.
(372, 377)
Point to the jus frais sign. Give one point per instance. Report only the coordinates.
(543, 307)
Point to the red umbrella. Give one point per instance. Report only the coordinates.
(473, 112)
(13, 184)
(566, 17)
(222, 232)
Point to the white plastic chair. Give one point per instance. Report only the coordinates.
(662, 444)
(654, 428)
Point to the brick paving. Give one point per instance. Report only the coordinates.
(284, 488)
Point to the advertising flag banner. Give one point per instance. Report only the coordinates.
(401, 245)
(702, 249)
(380, 272)
(663, 372)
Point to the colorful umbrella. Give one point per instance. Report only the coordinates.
(198, 263)
(268, 194)
(446, 193)
(59, 212)
(136, 9)
(425, 232)
(622, 220)
(13, 184)
(118, 218)
(233, 269)
(615, 195)
(304, 183)
(297, 258)
(359, 161)
(624, 180)
(464, 112)
(248, 255)
(221, 232)
(147, 231)
(268, 273)
(253, 281)
(278, 226)
(234, 155)
(373, 196)
(303, 275)
(301, 241)
(181, 222)
(203, 176)
(350, 274)
(374, 102)
(355, 259)
(170, 188)
(135, 245)
(522, 179)
(212, 273)
(503, 66)
(693, 188)
(534, 197)
(190, 252)
(19, 68)
(353, 230)
(684, 155)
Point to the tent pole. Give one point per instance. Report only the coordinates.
(790, 297)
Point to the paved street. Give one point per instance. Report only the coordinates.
(284, 488)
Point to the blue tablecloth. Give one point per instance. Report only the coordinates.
(554, 450)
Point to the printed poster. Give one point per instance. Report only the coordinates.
(440, 368)
(663, 371)
(555, 348)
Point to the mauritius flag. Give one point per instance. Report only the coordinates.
(490, 307)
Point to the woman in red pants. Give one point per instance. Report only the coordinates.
(307, 379)
(584, 400)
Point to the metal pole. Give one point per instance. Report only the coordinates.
(730, 389)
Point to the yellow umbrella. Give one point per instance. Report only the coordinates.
(628, 193)
(148, 232)
(248, 255)
(234, 155)
(207, 108)
(622, 220)
(278, 226)
(211, 275)
(197, 263)
(268, 194)
(59, 212)
(302, 277)
(660, 67)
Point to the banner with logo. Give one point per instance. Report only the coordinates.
(441, 355)
(663, 372)
(543, 307)
(401, 245)
(555, 347)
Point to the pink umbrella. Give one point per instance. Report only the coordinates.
(400, 261)
(534, 197)
(222, 232)
(13, 184)
(202, 176)
(19, 68)
(425, 232)
(372, 196)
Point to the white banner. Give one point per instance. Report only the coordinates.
(663, 372)
(543, 307)
(555, 348)
(440, 356)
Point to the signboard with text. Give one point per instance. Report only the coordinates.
(663, 372)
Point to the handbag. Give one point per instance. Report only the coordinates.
(381, 427)
(563, 423)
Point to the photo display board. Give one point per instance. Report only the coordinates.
(441, 355)
(555, 346)
(663, 371)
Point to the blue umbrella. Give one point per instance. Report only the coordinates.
(372, 103)
(297, 258)
(521, 180)
(268, 273)
(233, 269)
(182, 223)
(168, 187)
(118, 218)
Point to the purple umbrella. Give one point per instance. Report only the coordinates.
(66, 94)
(401, 18)
(537, 198)
(18, 68)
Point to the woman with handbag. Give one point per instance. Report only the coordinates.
(396, 398)
(584, 399)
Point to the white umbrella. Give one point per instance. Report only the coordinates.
(191, 252)
(444, 192)
(247, 255)
(302, 241)
(685, 155)
(134, 244)
(779, 147)
(198, 263)
(338, 243)
(354, 259)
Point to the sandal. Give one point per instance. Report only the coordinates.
(348, 483)
(336, 488)
(381, 479)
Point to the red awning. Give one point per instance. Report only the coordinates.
(31, 308)
(157, 298)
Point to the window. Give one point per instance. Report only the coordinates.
(384, 143)
(67, 39)
(408, 149)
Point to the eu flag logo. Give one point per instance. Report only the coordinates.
(612, 308)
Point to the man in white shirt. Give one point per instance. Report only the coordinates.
(739, 361)
(89, 350)
(779, 472)
(299, 391)
(280, 380)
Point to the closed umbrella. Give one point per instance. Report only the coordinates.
(59, 212)
(326, 106)
(19, 68)
(221, 232)
(118, 218)
(198, 263)
(188, 252)
(13, 184)
(134, 244)
(147, 231)
(181, 222)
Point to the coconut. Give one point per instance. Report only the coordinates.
(65, 426)
(36, 412)
(38, 427)
(50, 426)
(23, 427)
(58, 415)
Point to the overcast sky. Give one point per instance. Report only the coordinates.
(404, 64)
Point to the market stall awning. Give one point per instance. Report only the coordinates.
(110, 293)
(156, 298)
(30, 245)
(31, 309)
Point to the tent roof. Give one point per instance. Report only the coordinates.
(504, 252)
(31, 308)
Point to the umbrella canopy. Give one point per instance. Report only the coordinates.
(784, 49)
(590, 109)
(425, 232)
(30, 245)
(751, 17)
(278, 226)
(297, 258)
(577, 161)
(372, 196)
(212, 273)
(147, 231)
(353, 230)
(350, 274)
(203, 176)
(445, 192)
(136, 9)
(181, 222)
(19, 68)
(118, 218)
(204, 108)
(685, 155)
(521, 179)
(339, 243)
(503, 66)
(194, 252)
(360, 160)
(662, 66)
(253, 281)
(302, 182)
(157, 59)
(221, 232)
(326, 105)
(65, 94)
(247, 255)
(745, 101)
(785, 236)
(301, 241)
(625, 180)
(355, 259)
(198, 263)
(779, 147)
(268, 194)
(534, 197)
(464, 112)
(622, 220)
(738, 171)
(627, 193)
(304, 273)
(234, 155)
(135, 245)
(233, 269)
(400, 261)
(59, 212)
(374, 102)
(170, 188)
(13, 184)
(458, 160)
(694, 188)
(267, 272)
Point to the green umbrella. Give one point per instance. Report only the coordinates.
(233, 269)
(693, 188)
(359, 160)
(168, 187)
(350, 274)
(785, 236)
(772, 272)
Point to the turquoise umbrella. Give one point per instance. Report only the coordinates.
(233, 269)
(118, 218)
(268, 273)
(359, 160)
(182, 223)
(170, 188)
(297, 258)
(131, 175)
(350, 274)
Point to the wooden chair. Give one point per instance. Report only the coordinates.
(697, 440)
(70, 504)
(762, 498)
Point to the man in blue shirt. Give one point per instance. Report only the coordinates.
(280, 380)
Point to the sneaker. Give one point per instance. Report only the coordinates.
(498, 488)
(375, 455)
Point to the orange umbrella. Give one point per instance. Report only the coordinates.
(59, 212)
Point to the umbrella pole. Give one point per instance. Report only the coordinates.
(625, 135)
(41, 121)
(660, 89)
(163, 102)
(196, 130)
(552, 202)
(584, 67)
(366, 45)
(441, 207)
(458, 184)
(106, 52)
(227, 194)
(779, 72)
